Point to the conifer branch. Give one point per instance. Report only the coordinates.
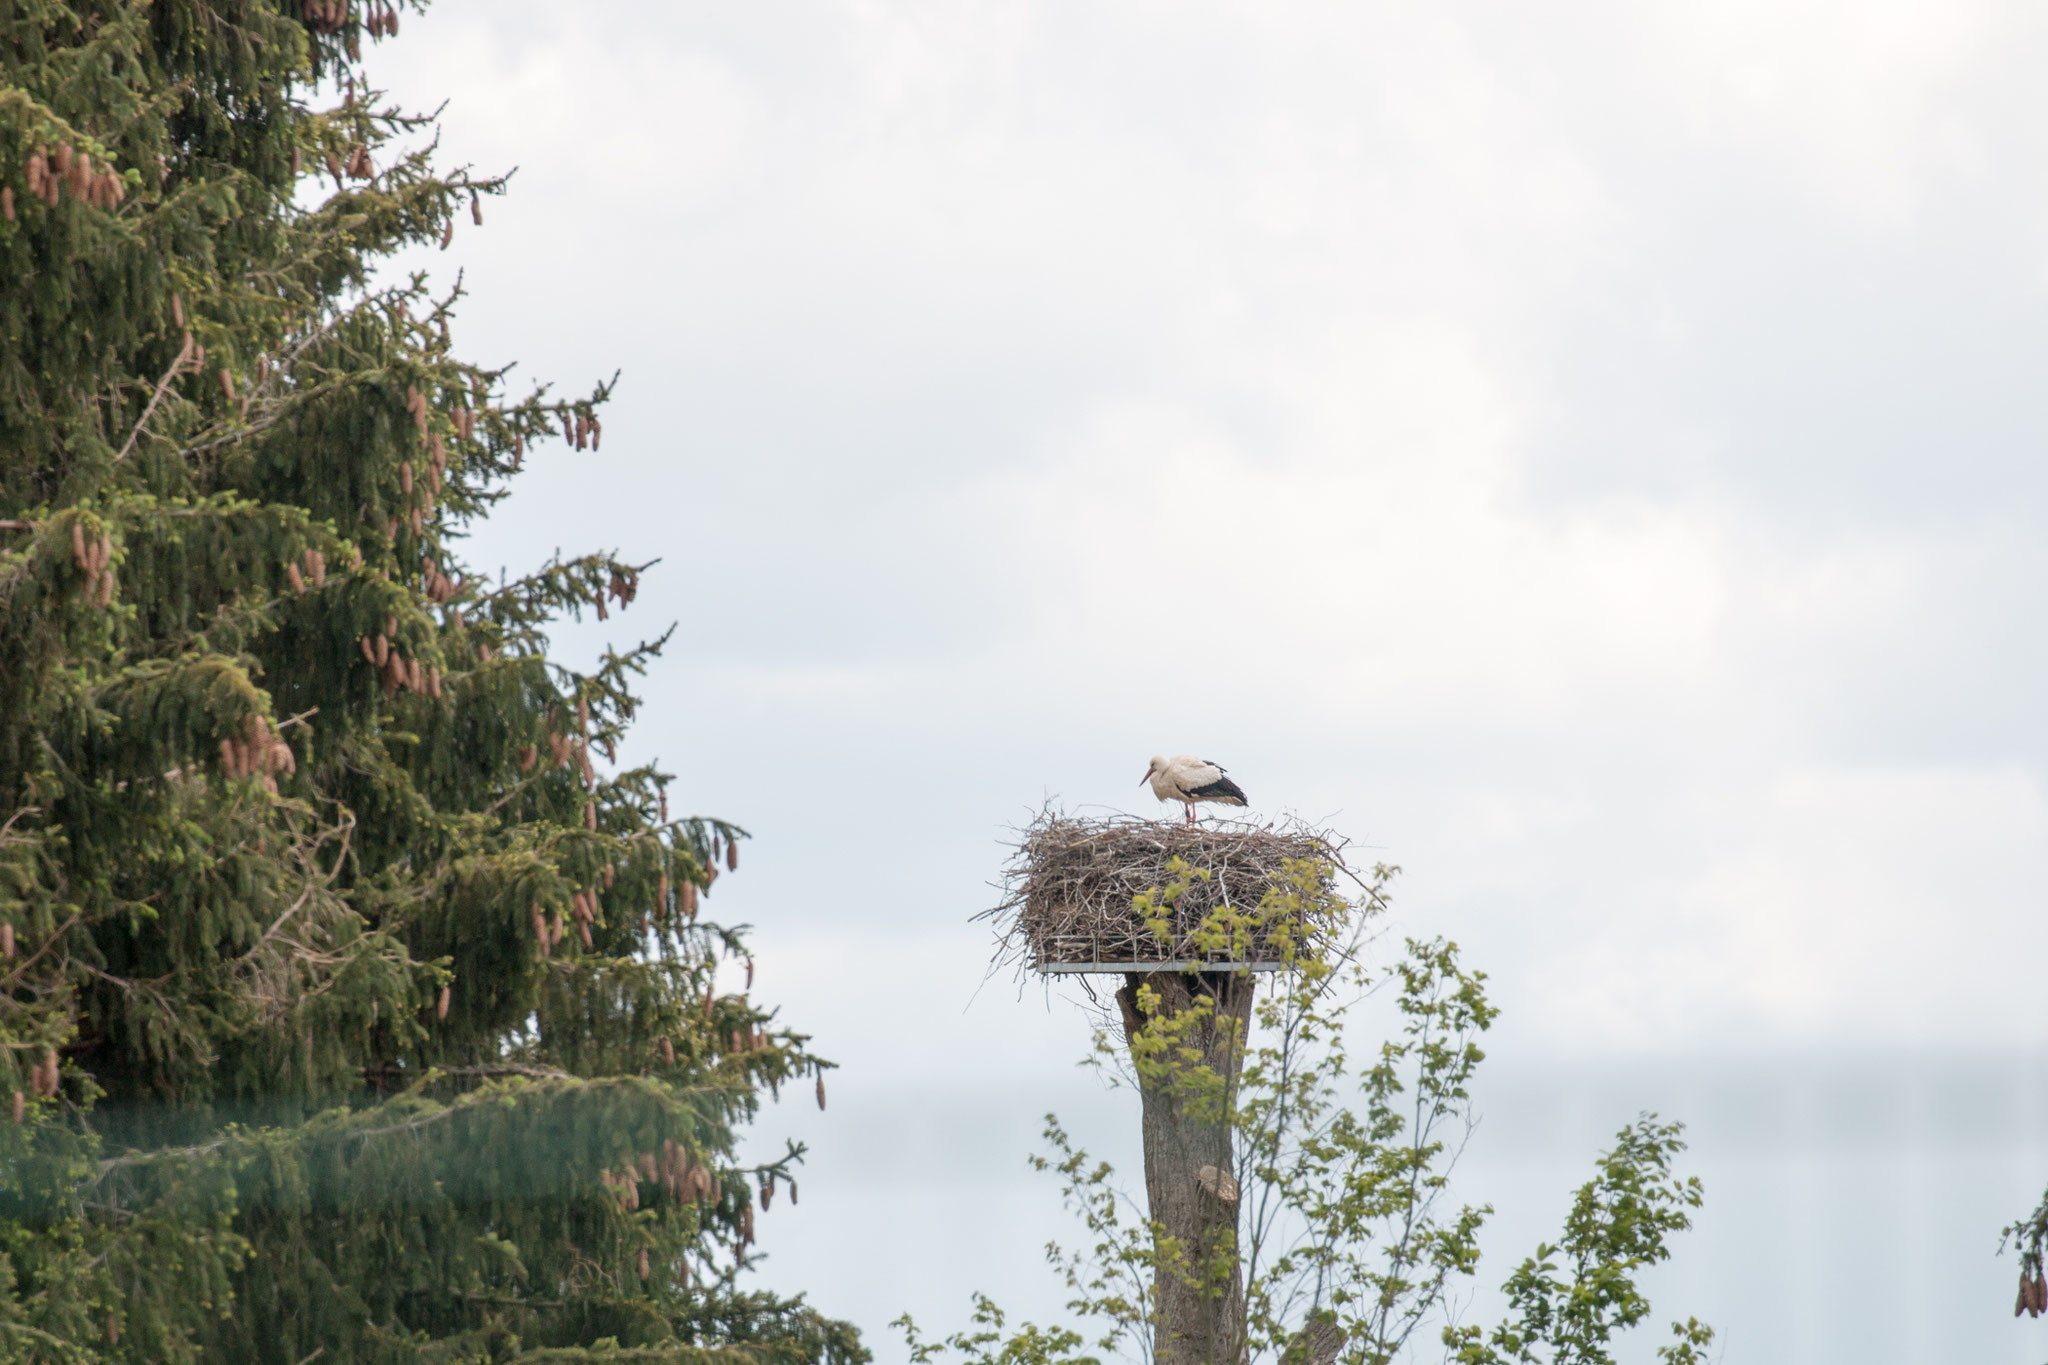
(545, 1073)
(48, 943)
(162, 387)
(6, 829)
(22, 1329)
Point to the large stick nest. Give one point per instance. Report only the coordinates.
(1070, 888)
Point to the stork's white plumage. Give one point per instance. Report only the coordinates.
(1187, 779)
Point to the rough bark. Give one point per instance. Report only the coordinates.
(1197, 1321)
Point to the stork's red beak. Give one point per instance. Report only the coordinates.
(1146, 778)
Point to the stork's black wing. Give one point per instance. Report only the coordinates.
(1222, 789)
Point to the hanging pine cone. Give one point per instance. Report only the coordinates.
(6, 939)
(441, 1005)
(821, 1105)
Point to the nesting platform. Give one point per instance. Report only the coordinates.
(1073, 883)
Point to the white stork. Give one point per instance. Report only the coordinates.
(1187, 779)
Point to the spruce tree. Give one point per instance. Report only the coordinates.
(356, 1002)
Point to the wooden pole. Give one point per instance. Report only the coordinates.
(1190, 1168)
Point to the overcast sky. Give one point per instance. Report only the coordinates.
(1587, 453)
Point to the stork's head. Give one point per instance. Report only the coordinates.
(1158, 765)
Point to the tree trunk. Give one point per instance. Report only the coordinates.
(1198, 1320)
